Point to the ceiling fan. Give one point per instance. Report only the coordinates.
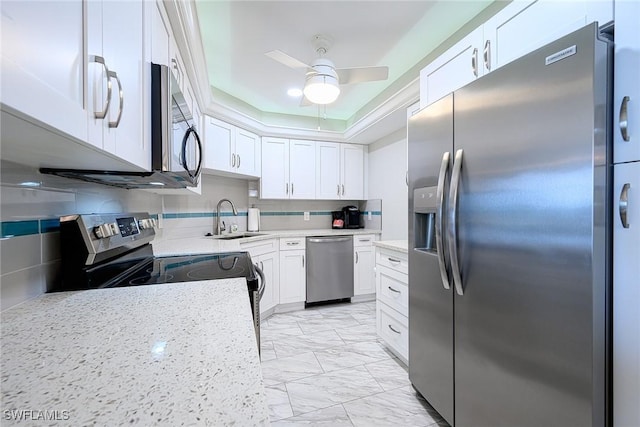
(322, 77)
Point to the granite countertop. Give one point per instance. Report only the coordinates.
(176, 354)
(214, 244)
(394, 245)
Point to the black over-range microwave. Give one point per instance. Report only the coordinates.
(176, 149)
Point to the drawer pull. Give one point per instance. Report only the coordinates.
(364, 240)
(394, 330)
(393, 260)
(292, 243)
(393, 290)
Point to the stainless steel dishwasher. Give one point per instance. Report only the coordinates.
(329, 268)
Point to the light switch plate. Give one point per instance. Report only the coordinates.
(306, 216)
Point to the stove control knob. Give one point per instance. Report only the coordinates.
(154, 222)
(115, 229)
(102, 231)
(143, 224)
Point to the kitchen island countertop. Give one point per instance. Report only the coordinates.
(174, 354)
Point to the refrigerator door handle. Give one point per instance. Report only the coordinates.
(452, 235)
(623, 205)
(444, 168)
(623, 119)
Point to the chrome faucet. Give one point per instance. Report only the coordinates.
(218, 221)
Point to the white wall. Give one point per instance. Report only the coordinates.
(387, 181)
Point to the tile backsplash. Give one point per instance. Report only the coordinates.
(31, 204)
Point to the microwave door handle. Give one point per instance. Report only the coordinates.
(184, 152)
(444, 167)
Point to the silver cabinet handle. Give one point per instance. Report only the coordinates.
(343, 189)
(452, 231)
(233, 160)
(393, 290)
(364, 240)
(292, 188)
(623, 205)
(474, 62)
(292, 243)
(287, 190)
(356, 257)
(393, 329)
(238, 155)
(486, 54)
(393, 260)
(338, 193)
(444, 167)
(100, 60)
(114, 75)
(174, 61)
(623, 121)
(303, 261)
(406, 178)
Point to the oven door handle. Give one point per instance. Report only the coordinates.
(263, 282)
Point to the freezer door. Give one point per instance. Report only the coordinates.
(430, 141)
(532, 226)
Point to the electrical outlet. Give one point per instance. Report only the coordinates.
(306, 216)
(369, 215)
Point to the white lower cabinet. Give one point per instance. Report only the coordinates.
(293, 272)
(264, 254)
(392, 301)
(363, 265)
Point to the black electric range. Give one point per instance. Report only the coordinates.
(114, 250)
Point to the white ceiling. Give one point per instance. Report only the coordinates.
(398, 34)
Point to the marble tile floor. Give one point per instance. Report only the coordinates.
(325, 366)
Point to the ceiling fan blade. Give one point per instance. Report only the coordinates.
(287, 60)
(362, 74)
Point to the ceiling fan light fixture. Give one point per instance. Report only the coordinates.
(321, 89)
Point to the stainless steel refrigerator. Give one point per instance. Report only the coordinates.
(509, 242)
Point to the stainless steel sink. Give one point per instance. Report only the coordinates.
(238, 236)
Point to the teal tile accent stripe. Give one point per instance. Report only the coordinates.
(49, 225)
(182, 215)
(263, 213)
(20, 228)
(374, 213)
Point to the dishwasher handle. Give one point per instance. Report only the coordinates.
(329, 239)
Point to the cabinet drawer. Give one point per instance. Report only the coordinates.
(363, 239)
(290, 243)
(259, 248)
(393, 328)
(393, 289)
(394, 260)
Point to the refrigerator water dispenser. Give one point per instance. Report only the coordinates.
(424, 210)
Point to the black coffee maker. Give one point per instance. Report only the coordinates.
(351, 217)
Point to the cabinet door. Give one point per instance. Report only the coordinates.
(115, 43)
(626, 296)
(268, 263)
(247, 152)
(626, 104)
(160, 35)
(274, 183)
(292, 276)
(352, 172)
(42, 63)
(453, 69)
(302, 169)
(522, 27)
(364, 278)
(219, 145)
(327, 170)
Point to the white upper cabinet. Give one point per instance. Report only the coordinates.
(626, 104)
(42, 63)
(231, 149)
(519, 28)
(340, 172)
(352, 172)
(453, 69)
(327, 170)
(302, 164)
(274, 183)
(288, 169)
(117, 76)
(522, 27)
